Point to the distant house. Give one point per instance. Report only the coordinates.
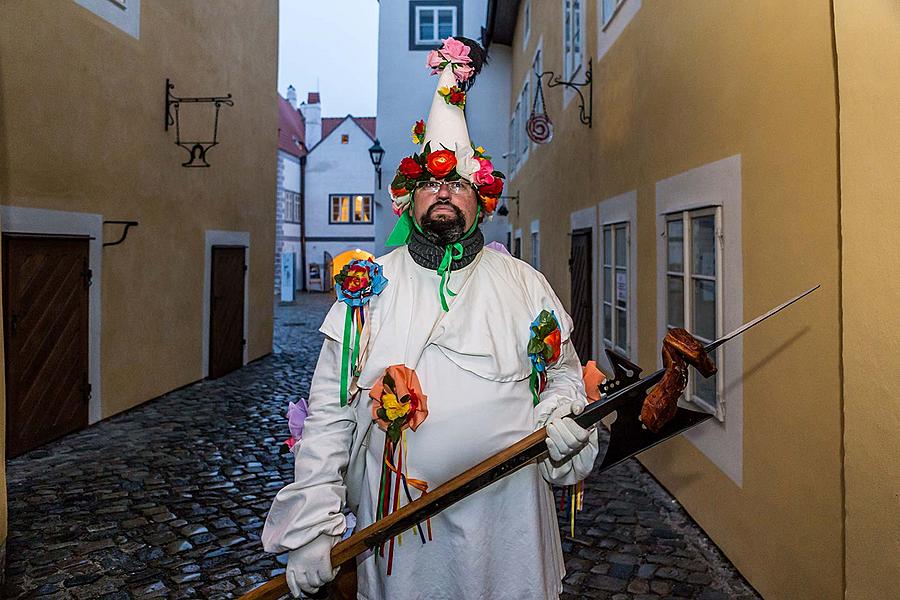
(340, 195)
(289, 207)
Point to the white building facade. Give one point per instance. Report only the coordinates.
(339, 196)
(408, 29)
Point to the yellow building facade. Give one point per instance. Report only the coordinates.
(83, 142)
(739, 153)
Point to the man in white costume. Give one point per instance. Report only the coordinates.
(470, 340)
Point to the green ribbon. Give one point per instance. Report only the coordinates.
(402, 230)
(533, 383)
(345, 355)
(452, 252)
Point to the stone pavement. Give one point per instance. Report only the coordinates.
(168, 500)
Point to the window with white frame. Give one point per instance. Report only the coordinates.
(693, 291)
(536, 244)
(608, 9)
(526, 18)
(124, 14)
(573, 37)
(350, 209)
(517, 244)
(616, 275)
(432, 21)
(291, 207)
(524, 113)
(513, 144)
(537, 67)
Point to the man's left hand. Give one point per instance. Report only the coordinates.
(565, 437)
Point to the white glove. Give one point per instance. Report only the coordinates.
(565, 437)
(309, 566)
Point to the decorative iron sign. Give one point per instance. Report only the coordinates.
(196, 148)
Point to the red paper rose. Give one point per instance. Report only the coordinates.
(489, 203)
(399, 192)
(419, 129)
(357, 278)
(410, 168)
(441, 163)
(494, 188)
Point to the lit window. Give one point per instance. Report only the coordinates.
(340, 209)
(615, 286)
(573, 37)
(692, 288)
(362, 209)
(432, 21)
(345, 138)
(609, 8)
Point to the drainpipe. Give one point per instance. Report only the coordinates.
(303, 223)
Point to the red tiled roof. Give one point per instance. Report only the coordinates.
(291, 129)
(367, 124)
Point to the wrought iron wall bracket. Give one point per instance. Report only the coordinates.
(127, 224)
(586, 107)
(196, 148)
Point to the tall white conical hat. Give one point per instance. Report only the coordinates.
(446, 125)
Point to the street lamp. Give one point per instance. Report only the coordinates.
(376, 153)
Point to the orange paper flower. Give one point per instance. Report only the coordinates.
(398, 401)
(593, 377)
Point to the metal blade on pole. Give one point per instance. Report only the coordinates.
(712, 346)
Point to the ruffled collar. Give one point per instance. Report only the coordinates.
(427, 255)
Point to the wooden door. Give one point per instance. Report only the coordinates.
(581, 271)
(226, 311)
(45, 335)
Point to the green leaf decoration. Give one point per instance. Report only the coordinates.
(394, 430)
(404, 399)
(535, 346)
(382, 414)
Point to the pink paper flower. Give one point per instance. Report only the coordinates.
(434, 60)
(463, 72)
(485, 173)
(456, 51)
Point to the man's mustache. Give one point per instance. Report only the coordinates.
(434, 206)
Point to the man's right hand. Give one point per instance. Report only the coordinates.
(309, 567)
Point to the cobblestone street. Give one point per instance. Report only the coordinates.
(168, 500)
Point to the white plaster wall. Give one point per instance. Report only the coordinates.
(335, 168)
(291, 171)
(405, 90)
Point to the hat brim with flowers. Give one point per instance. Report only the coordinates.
(447, 152)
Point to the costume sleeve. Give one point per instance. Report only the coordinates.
(565, 384)
(311, 505)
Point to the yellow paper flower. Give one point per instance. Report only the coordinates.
(443, 90)
(479, 150)
(393, 407)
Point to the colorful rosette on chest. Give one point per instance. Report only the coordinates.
(357, 283)
(543, 349)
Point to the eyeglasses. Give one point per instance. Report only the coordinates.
(433, 186)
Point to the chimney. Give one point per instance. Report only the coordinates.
(292, 96)
(312, 114)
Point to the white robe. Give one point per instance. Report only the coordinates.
(499, 543)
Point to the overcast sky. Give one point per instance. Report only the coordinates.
(336, 43)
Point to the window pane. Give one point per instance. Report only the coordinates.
(703, 245)
(345, 209)
(576, 27)
(704, 309)
(607, 284)
(621, 329)
(607, 322)
(426, 25)
(621, 250)
(445, 23)
(675, 301)
(675, 242)
(607, 245)
(608, 7)
(705, 389)
(621, 288)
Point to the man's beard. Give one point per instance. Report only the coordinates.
(444, 230)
